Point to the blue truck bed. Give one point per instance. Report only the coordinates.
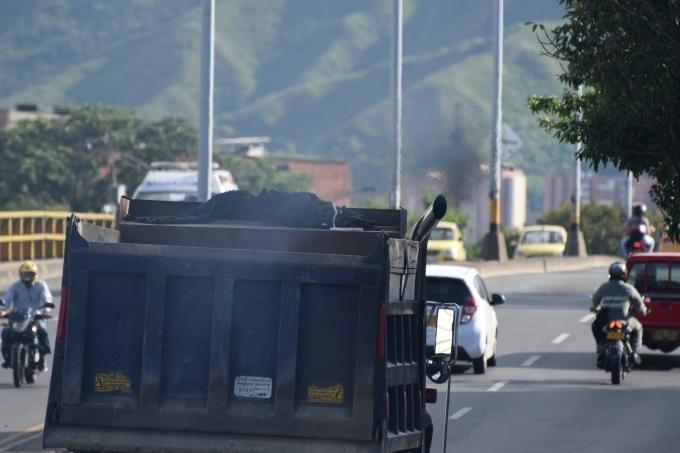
(238, 337)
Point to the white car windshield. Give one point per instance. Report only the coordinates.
(167, 196)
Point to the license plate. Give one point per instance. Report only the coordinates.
(616, 335)
(665, 335)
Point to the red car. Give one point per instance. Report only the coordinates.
(657, 277)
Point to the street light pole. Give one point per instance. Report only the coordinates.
(576, 245)
(206, 107)
(494, 242)
(396, 76)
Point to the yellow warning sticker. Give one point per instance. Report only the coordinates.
(112, 382)
(326, 394)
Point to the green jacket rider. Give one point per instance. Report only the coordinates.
(613, 300)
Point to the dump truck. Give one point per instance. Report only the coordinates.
(240, 336)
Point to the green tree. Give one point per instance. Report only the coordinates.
(94, 138)
(626, 54)
(602, 226)
(35, 172)
(71, 163)
(254, 175)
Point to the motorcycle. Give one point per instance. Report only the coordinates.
(26, 357)
(617, 357)
(638, 241)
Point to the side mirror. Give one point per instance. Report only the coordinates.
(497, 299)
(48, 305)
(443, 339)
(442, 336)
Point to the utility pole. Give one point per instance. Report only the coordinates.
(493, 247)
(576, 245)
(396, 75)
(629, 194)
(206, 108)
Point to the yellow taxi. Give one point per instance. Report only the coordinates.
(541, 241)
(446, 243)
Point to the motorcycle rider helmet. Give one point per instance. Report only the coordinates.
(28, 272)
(617, 271)
(639, 209)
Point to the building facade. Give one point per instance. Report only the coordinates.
(10, 117)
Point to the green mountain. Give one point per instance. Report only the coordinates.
(312, 74)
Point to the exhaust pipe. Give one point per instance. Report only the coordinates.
(430, 219)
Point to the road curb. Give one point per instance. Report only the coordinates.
(539, 265)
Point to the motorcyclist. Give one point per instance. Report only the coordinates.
(612, 300)
(27, 292)
(639, 223)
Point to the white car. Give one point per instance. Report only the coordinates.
(478, 331)
(178, 181)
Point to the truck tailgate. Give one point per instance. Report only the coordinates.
(193, 339)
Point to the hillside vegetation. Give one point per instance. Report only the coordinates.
(312, 74)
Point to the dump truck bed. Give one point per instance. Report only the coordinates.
(237, 337)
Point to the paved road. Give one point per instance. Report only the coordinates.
(22, 411)
(545, 395)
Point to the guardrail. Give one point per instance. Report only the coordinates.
(39, 234)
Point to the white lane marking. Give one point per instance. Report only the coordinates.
(460, 413)
(587, 318)
(560, 338)
(23, 440)
(17, 435)
(497, 386)
(531, 360)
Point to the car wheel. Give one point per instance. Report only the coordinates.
(479, 365)
(491, 361)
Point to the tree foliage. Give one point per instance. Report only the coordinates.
(602, 226)
(72, 163)
(627, 55)
(254, 175)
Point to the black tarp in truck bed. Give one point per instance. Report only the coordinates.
(238, 337)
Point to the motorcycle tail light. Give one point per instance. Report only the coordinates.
(469, 310)
(615, 325)
(636, 244)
